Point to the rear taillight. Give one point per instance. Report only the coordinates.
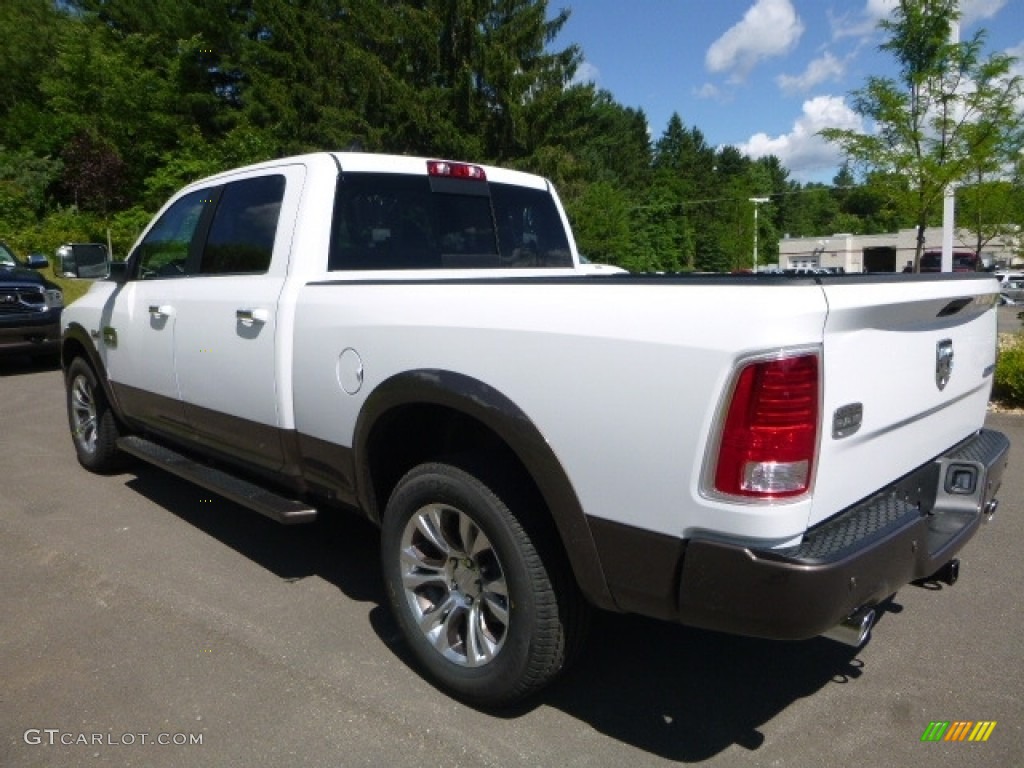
(770, 433)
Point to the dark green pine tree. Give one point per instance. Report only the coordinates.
(497, 70)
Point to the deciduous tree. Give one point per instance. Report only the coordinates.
(950, 106)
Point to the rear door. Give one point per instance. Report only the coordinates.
(226, 336)
(908, 368)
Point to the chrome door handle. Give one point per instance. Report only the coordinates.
(162, 310)
(253, 315)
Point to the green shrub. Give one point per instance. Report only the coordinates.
(72, 289)
(69, 225)
(1009, 381)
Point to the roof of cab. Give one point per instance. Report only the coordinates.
(367, 162)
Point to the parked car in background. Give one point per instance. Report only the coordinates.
(1006, 277)
(807, 271)
(1013, 290)
(963, 261)
(30, 306)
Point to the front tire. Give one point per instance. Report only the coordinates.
(478, 592)
(94, 428)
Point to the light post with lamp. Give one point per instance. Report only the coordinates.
(757, 201)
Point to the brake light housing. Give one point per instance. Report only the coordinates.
(768, 439)
(446, 169)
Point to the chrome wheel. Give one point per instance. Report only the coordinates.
(83, 413)
(454, 585)
(476, 584)
(94, 427)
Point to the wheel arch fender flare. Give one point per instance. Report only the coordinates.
(77, 337)
(495, 411)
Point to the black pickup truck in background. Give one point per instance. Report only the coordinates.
(30, 306)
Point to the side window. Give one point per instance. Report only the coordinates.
(241, 239)
(164, 251)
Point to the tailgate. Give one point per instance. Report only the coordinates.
(914, 355)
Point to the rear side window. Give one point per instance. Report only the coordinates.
(390, 221)
(241, 239)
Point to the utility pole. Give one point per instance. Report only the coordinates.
(757, 201)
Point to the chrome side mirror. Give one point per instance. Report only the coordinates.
(89, 261)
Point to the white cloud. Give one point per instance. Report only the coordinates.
(1017, 69)
(971, 11)
(769, 28)
(976, 10)
(1017, 52)
(586, 73)
(862, 23)
(825, 67)
(877, 9)
(802, 150)
(709, 91)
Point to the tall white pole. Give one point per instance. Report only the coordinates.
(755, 238)
(949, 196)
(756, 201)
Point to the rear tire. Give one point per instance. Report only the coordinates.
(94, 428)
(480, 594)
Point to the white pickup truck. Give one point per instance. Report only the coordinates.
(415, 340)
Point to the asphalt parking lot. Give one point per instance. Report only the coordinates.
(137, 610)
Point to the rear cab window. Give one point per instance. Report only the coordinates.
(396, 221)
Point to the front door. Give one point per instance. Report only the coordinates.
(139, 332)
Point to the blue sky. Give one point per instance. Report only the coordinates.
(763, 75)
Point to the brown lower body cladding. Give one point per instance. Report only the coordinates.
(858, 558)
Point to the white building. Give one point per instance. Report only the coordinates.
(886, 253)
